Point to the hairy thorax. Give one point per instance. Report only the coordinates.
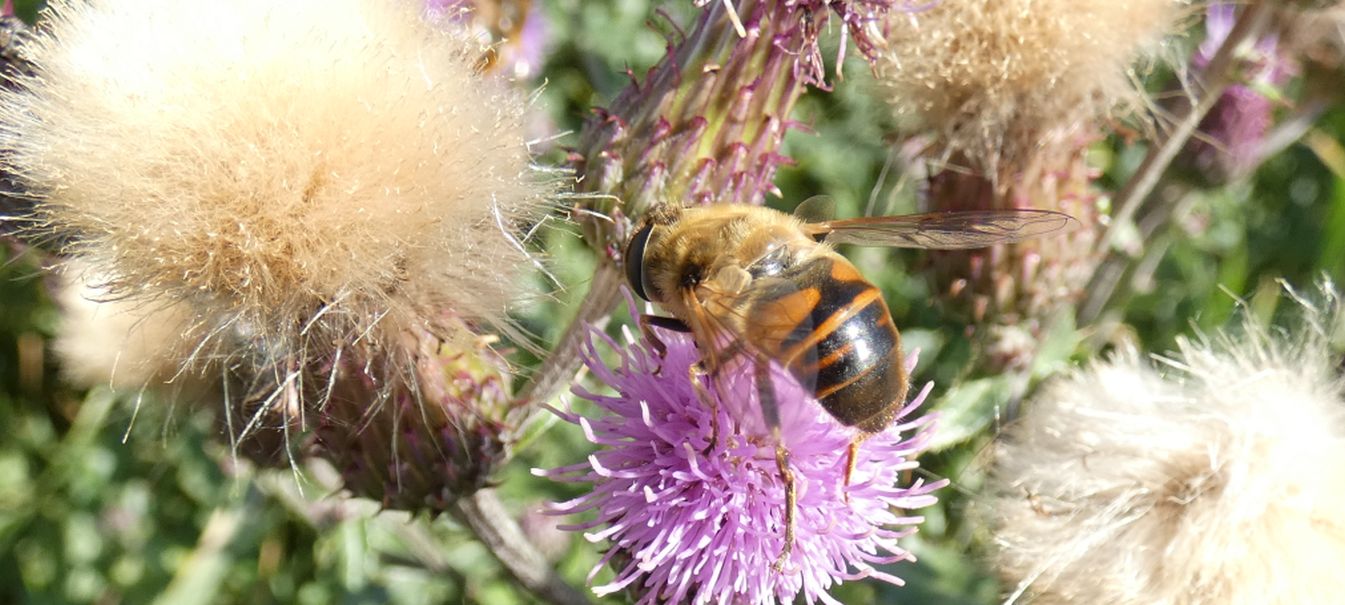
(716, 252)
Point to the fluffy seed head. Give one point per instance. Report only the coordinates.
(1207, 480)
(303, 172)
(1318, 36)
(992, 76)
(691, 520)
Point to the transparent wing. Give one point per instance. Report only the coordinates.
(729, 329)
(746, 372)
(816, 209)
(945, 230)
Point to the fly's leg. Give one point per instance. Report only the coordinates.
(699, 370)
(696, 372)
(647, 325)
(851, 459)
(791, 501)
(770, 411)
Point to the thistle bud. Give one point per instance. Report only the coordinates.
(417, 438)
(1011, 291)
(707, 122)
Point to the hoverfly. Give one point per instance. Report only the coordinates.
(754, 284)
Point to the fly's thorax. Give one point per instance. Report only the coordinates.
(693, 249)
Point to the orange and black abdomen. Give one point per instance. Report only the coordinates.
(834, 333)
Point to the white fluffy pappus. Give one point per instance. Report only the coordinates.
(1212, 478)
(304, 173)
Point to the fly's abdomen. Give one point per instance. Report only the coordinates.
(840, 340)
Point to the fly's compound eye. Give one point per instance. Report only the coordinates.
(634, 258)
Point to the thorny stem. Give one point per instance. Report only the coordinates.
(485, 515)
(1220, 75)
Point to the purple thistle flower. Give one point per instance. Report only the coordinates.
(1240, 120)
(691, 521)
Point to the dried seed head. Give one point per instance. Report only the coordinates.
(991, 77)
(1200, 483)
(118, 343)
(302, 174)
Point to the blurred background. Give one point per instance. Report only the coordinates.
(108, 499)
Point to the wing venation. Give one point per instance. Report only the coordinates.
(947, 230)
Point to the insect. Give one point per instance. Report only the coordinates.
(756, 285)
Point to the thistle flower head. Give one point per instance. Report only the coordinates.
(991, 77)
(695, 521)
(303, 172)
(1201, 481)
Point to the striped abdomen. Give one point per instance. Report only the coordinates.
(832, 329)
